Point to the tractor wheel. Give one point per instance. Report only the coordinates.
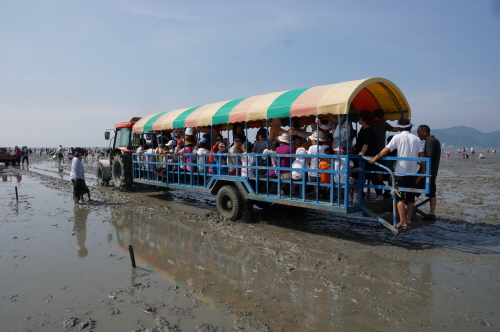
(121, 172)
(100, 176)
(229, 203)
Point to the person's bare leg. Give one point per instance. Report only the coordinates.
(402, 213)
(432, 207)
(409, 212)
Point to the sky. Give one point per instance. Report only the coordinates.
(69, 70)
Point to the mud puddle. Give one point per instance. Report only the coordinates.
(290, 270)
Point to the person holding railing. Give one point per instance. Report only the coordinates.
(432, 150)
(366, 145)
(408, 146)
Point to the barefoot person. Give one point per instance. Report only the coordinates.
(432, 149)
(77, 176)
(408, 146)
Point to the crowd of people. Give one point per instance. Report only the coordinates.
(328, 135)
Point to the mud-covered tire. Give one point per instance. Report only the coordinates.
(121, 172)
(100, 176)
(230, 203)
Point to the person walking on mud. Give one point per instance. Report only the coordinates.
(59, 153)
(18, 154)
(25, 154)
(77, 176)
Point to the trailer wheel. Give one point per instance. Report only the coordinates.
(121, 173)
(229, 203)
(100, 176)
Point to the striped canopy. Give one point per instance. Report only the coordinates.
(340, 98)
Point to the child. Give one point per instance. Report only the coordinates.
(299, 162)
(222, 169)
(324, 178)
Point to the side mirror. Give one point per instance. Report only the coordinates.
(106, 135)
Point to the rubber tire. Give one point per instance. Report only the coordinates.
(100, 174)
(229, 203)
(121, 173)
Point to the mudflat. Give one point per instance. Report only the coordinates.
(64, 268)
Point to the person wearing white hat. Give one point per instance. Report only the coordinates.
(408, 146)
(298, 163)
(285, 148)
(317, 148)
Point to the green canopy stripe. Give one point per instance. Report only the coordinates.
(281, 106)
(179, 121)
(148, 126)
(222, 114)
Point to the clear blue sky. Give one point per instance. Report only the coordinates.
(71, 69)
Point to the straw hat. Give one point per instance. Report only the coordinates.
(314, 137)
(189, 140)
(284, 138)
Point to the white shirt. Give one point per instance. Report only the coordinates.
(247, 160)
(313, 164)
(298, 163)
(77, 171)
(339, 165)
(408, 146)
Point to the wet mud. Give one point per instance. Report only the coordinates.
(290, 269)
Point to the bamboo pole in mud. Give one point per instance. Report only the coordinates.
(132, 257)
(17, 196)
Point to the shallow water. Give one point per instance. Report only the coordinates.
(292, 270)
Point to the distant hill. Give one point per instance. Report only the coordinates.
(462, 136)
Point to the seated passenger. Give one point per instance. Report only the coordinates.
(298, 163)
(221, 161)
(236, 149)
(247, 160)
(285, 162)
(202, 149)
(238, 132)
(259, 147)
(274, 161)
(325, 164)
(188, 149)
(316, 148)
(339, 179)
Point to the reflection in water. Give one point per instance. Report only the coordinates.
(236, 278)
(80, 230)
(9, 178)
(60, 171)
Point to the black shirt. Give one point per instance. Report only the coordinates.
(432, 149)
(367, 136)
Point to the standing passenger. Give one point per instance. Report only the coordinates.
(432, 149)
(408, 146)
(366, 145)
